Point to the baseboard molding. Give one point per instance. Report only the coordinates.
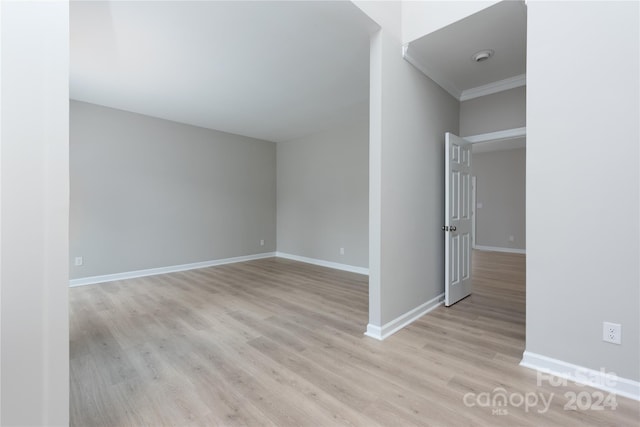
(497, 249)
(374, 331)
(581, 375)
(322, 263)
(184, 267)
(388, 329)
(163, 270)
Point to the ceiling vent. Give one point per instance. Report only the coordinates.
(483, 55)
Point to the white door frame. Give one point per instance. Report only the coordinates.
(474, 205)
(497, 136)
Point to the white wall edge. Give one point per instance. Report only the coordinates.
(164, 270)
(441, 80)
(498, 249)
(495, 87)
(581, 375)
(390, 328)
(498, 135)
(322, 263)
(0, 223)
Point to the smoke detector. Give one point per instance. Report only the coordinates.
(483, 55)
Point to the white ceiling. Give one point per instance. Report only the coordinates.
(270, 70)
(445, 55)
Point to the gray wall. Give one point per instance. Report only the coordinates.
(583, 185)
(490, 113)
(409, 115)
(500, 187)
(149, 193)
(323, 195)
(416, 114)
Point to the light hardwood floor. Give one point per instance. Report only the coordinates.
(276, 342)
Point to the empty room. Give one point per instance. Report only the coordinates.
(318, 213)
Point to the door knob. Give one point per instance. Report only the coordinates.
(445, 228)
(452, 228)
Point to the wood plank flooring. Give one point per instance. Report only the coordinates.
(275, 342)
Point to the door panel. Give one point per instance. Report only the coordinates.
(458, 219)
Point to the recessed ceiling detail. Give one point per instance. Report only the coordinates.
(269, 70)
(445, 54)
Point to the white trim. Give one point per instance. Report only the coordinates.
(452, 89)
(375, 178)
(497, 136)
(474, 207)
(495, 87)
(183, 267)
(13, 34)
(163, 270)
(400, 322)
(322, 263)
(581, 375)
(374, 331)
(498, 249)
(434, 75)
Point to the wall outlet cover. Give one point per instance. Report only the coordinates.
(612, 332)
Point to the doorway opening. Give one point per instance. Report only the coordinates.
(499, 226)
(485, 204)
(492, 95)
(485, 283)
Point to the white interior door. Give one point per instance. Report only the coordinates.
(458, 220)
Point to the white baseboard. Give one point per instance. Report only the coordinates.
(163, 270)
(581, 375)
(400, 322)
(374, 331)
(322, 263)
(498, 249)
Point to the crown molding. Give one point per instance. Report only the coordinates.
(434, 75)
(461, 95)
(495, 87)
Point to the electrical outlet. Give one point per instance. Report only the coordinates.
(612, 332)
(511, 238)
(341, 251)
(78, 261)
(261, 242)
